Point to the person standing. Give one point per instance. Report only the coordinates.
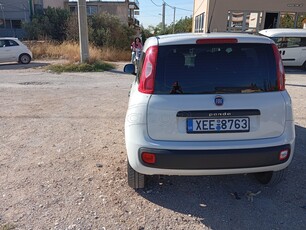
(135, 46)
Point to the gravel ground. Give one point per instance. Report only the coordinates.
(63, 163)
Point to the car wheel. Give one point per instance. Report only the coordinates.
(270, 178)
(304, 66)
(135, 180)
(24, 58)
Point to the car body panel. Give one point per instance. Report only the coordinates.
(12, 53)
(292, 55)
(163, 123)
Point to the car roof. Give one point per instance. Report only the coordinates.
(287, 32)
(191, 38)
(11, 38)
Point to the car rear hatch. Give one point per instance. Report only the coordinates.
(212, 91)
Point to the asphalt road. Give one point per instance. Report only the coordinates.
(63, 163)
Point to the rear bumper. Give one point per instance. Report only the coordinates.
(215, 159)
(208, 157)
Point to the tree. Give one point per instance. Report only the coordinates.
(287, 21)
(300, 20)
(108, 30)
(72, 31)
(146, 33)
(51, 23)
(184, 25)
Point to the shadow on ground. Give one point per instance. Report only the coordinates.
(15, 66)
(225, 202)
(294, 70)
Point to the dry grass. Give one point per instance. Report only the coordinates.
(71, 52)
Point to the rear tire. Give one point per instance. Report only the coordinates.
(136, 180)
(304, 66)
(24, 59)
(270, 178)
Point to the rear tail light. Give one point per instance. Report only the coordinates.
(148, 158)
(280, 71)
(147, 78)
(217, 41)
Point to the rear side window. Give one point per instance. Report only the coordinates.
(290, 42)
(11, 43)
(215, 68)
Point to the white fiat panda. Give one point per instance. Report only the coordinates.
(209, 104)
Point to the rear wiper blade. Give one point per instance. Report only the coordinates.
(228, 90)
(237, 90)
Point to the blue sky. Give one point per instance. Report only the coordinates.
(150, 14)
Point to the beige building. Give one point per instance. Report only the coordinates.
(247, 15)
(124, 9)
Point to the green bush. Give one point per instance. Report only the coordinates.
(82, 67)
(107, 30)
(50, 24)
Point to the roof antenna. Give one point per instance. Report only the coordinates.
(212, 13)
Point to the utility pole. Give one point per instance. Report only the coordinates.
(31, 9)
(164, 15)
(174, 8)
(2, 8)
(83, 31)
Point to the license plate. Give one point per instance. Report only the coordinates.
(222, 125)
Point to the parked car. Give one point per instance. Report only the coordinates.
(291, 44)
(209, 104)
(11, 49)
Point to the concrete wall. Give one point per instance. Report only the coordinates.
(54, 3)
(14, 10)
(220, 14)
(119, 9)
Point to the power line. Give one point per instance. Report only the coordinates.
(156, 4)
(176, 7)
(183, 9)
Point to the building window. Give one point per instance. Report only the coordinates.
(91, 10)
(199, 23)
(16, 24)
(239, 21)
(38, 8)
(72, 9)
(301, 20)
(287, 20)
(290, 42)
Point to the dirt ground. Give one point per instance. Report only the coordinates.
(63, 163)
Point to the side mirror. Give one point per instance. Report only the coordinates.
(129, 68)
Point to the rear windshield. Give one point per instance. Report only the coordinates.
(217, 68)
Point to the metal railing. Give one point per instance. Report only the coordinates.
(133, 21)
(135, 1)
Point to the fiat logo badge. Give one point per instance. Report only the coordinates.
(219, 100)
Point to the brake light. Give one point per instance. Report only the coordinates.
(217, 41)
(147, 78)
(280, 71)
(148, 158)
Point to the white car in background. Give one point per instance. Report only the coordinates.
(209, 104)
(13, 50)
(291, 44)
